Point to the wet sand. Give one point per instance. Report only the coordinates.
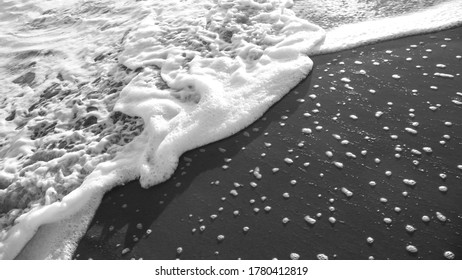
(132, 222)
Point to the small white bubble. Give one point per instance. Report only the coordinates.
(370, 240)
(339, 165)
(329, 154)
(441, 217)
(288, 160)
(322, 257)
(347, 192)
(294, 256)
(307, 131)
(310, 220)
(411, 249)
(410, 228)
(372, 183)
(409, 182)
(427, 150)
(353, 117)
(285, 220)
(411, 130)
(332, 220)
(220, 237)
(387, 220)
(350, 155)
(256, 173)
(425, 219)
(449, 255)
(443, 188)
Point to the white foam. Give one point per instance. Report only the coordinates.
(445, 15)
(216, 90)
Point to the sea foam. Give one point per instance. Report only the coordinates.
(171, 76)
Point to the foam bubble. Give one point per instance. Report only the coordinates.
(347, 192)
(294, 256)
(411, 249)
(310, 220)
(449, 255)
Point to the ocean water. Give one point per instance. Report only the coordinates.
(98, 93)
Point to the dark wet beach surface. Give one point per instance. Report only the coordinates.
(177, 213)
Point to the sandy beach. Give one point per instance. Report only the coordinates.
(344, 147)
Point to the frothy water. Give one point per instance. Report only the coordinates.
(98, 93)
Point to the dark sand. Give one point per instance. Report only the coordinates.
(174, 209)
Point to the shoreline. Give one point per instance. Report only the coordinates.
(185, 202)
